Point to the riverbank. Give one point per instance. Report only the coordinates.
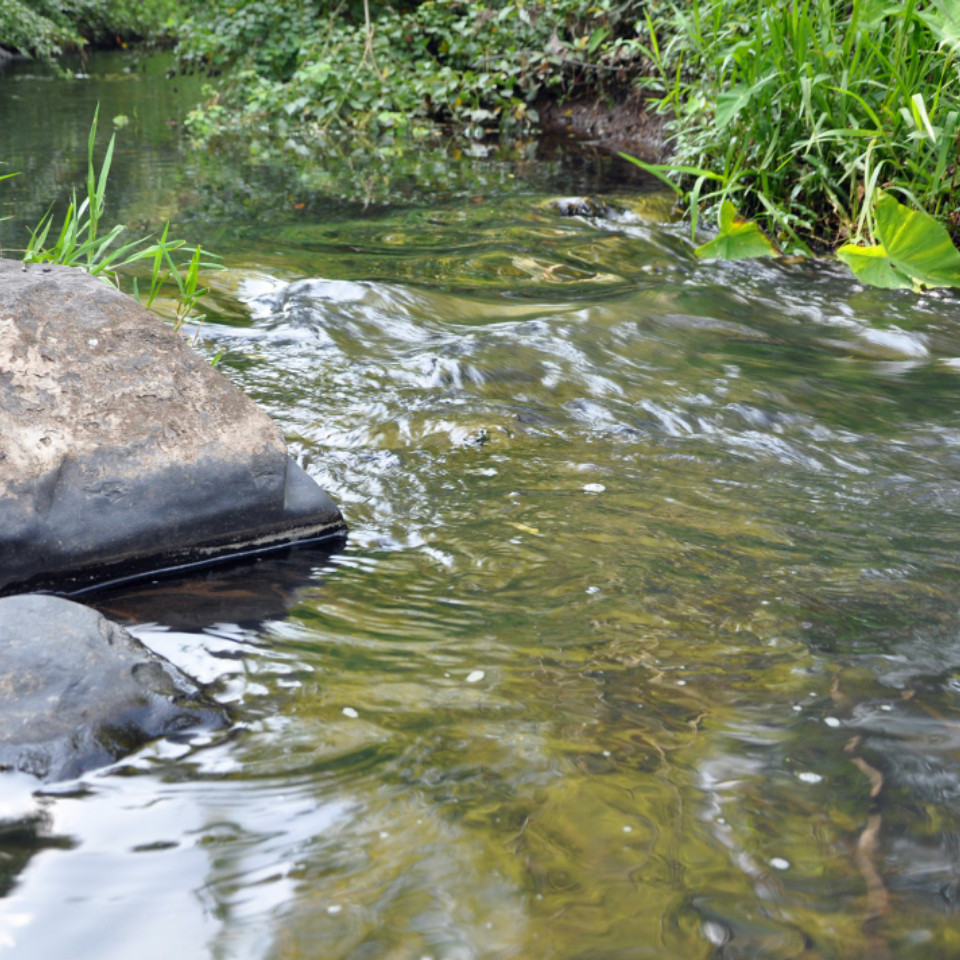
(44, 30)
(625, 124)
(797, 116)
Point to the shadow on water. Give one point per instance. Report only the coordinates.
(247, 592)
(645, 640)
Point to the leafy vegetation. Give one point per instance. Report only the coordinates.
(45, 28)
(791, 120)
(313, 67)
(737, 239)
(913, 250)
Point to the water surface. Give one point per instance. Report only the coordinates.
(645, 642)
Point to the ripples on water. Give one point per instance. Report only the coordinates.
(644, 643)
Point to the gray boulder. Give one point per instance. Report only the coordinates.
(78, 692)
(122, 450)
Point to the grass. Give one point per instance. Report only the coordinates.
(800, 111)
(81, 242)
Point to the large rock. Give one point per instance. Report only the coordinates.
(123, 450)
(77, 691)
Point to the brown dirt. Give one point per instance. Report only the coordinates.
(625, 125)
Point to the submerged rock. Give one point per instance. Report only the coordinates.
(122, 450)
(78, 692)
(586, 207)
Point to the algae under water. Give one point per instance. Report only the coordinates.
(645, 642)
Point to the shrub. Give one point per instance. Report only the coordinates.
(44, 28)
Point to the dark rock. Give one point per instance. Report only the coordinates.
(586, 207)
(77, 691)
(122, 450)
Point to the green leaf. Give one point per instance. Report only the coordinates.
(872, 266)
(738, 239)
(732, 101)
(920, 116)
(596, 38)
(917, 245)
(944, 23)
(662, 171)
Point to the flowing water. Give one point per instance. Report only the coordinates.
(646, 639)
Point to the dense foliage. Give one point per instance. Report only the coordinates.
(309, 67)
(800, 111)
(797, 112)
(45, 28)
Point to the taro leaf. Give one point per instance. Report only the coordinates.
(738, 239)
(916, 244)
(730, 103)
(872, 266)
(944, 23)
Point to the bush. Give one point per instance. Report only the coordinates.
(45, 28)
(480, 66)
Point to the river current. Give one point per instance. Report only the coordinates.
(645, 642)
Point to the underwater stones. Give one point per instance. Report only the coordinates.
(122, 450)
(78, 692)
(585, 207)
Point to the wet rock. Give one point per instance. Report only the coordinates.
(122, 450)
(586, 207)
(78, 692)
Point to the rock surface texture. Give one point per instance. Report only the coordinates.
(123, 450)
(78, 692)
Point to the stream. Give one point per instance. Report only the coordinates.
(645, 642)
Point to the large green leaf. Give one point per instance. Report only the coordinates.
(944, 22)
(738, 239)
(732, 101)
(872, 266)
(916, 244)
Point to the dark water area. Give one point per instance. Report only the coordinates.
(645, 642)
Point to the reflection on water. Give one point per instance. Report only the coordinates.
(246, 592)
(644, 643)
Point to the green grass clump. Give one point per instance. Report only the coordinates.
(799, 111)
(80, 242)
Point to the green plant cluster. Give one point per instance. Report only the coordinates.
(81, 242)
(308, 68)
(45, 28)
(800, 111)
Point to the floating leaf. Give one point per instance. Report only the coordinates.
(872, 266)
(916, 244)
(738, 239)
